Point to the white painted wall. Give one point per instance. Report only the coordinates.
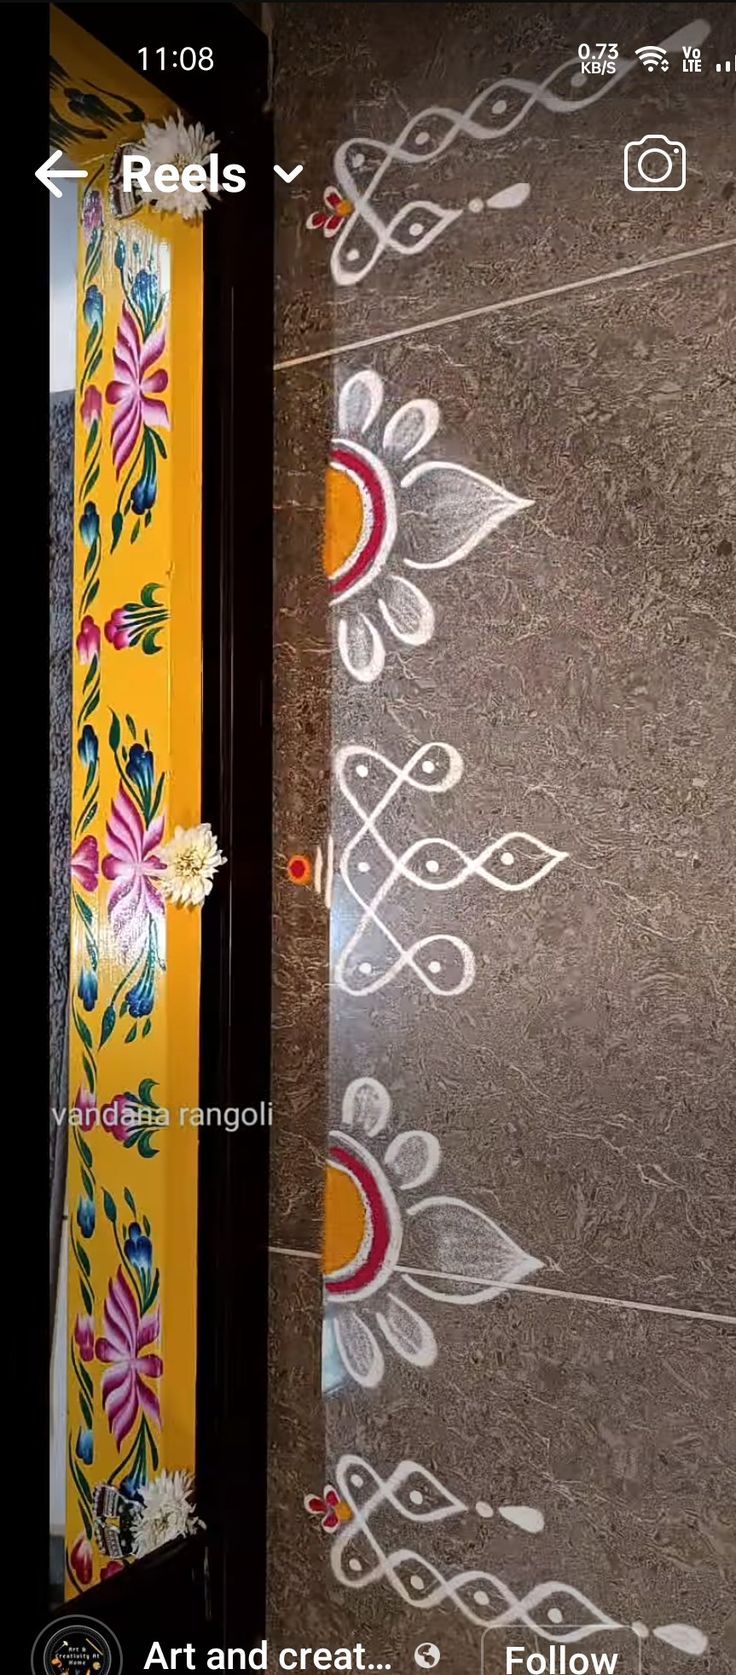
(63, 264)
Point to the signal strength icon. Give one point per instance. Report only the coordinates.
(727, 65)
(653, 58)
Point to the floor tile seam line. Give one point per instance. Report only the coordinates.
(537, 1290)
(419, 328)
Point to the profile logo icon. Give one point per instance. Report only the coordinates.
(427, 1656)
(77, 1646)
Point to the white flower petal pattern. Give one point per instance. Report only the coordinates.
(360, 401)
(366, 1104)
(367, 1255)
(407, 612)
(359, 1349)
(413, 1158)
(407, 1332)
(376, 520)
(448, 1237)
(452, 505)
(361, 647)
(411, 427)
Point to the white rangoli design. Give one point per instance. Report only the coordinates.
(385, 1240)
(444, 963)
(364, 235)
(556, 1611)
(382, 510)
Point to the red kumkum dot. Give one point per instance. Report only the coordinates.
(299, 869)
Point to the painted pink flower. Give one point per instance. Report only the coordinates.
(92, 405)
(118, 1116)
(136, 386)
(118, 629)
(111, 1569)
(86, 864)
(330, 1508)
(336, 211)
(81, 1560)
(88, 640)
(124, 1391)
(86, 1104)
(134, 865)
(84, 1336)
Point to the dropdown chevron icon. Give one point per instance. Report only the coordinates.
(277, 169)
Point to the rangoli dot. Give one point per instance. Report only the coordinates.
(362, 770)
(364, 866)
(365, 968)
(354, 1564)
(423, 138)
(356, 1480)
(640, 1630)
(432, 866)
(498, 107)
(483, 1509)
(417, 1583)
(554, 1614)
(416, 228)
(428, 767)
(507, 859)
(357, 158)
(475, 206)
(435, 966)
(481, 1597)
(416, 1497)
(352, 255)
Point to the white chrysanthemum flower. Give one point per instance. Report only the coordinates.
(175, 141)
(167, 1512)
(192, 857)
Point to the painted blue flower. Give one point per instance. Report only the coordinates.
(144, 493)
(88, 747)
(141, 997)
(86, 1217)
(132, 1484)
(145, 291)
(138, 1248)
(89, 524)
(120, 255)
(85, 1449)
(93, 307)
(87, 989)
(141, 770)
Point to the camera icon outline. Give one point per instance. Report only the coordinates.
(675, 155)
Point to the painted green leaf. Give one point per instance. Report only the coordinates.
(132, 1033)
(83, 1031)
(87, 1184)
(108, 1025)
(86, 1411)
(130, 1201)
(147, 1227)
(136, 531)
(110, 1206)
(148, 594)
(130, 724)
(82, 1259)
(88, 1071)
(146, 1147)
(146, 1030)
(114, 732)
(85, 1152)
(86, 1297)
(159, 441)
(145, 1091)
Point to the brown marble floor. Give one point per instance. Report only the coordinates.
(528, 1040)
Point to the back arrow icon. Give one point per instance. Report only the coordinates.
(47, 174)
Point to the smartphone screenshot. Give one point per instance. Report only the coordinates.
(388, 540)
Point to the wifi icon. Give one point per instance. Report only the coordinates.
(653, 58)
